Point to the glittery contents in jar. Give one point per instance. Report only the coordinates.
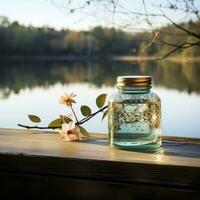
(134, 119)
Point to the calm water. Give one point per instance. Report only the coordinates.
(35, 87)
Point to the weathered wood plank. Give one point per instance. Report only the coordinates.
(39, 143)
(43, 165)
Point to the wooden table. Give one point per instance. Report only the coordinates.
(40, 165)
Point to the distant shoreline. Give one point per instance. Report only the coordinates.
(125, 58)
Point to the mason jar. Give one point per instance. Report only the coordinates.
(134, 114)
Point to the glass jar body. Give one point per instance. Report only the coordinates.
(134, 119)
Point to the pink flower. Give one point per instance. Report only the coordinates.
(70, 132)
(67, 99)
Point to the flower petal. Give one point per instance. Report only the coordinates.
(61, 100)
(74, 137)
(72, 95)
(66, 127)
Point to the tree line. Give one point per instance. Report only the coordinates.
(17, 39)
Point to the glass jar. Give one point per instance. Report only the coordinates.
(134, 115)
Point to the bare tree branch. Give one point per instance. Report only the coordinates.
(185, 45)
(117, 10)
(182, 28)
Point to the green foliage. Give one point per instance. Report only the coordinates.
(67, 119)
(34, 118)
(84, 132)
(55, 123)
(100, 100)
(59, 121)
(85, 110)
(17, 39)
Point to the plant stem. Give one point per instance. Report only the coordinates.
(56, 127)
(74, 114)
(90, 116)
(38, 127)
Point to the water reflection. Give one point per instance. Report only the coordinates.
(18, 75)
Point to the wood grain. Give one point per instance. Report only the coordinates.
(41, 143)
(40, 163)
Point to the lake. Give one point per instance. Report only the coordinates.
(34, 87)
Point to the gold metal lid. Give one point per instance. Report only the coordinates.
(134, 81)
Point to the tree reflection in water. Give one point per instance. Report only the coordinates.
(18, 75)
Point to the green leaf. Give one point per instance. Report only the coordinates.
(84, 132)
(67, 119)
(85, 110)
(100, 100)
(34, 118)
(55, 123)
(104, 114)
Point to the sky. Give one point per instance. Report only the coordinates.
(55, 13)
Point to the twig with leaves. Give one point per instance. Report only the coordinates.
(65, 125)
